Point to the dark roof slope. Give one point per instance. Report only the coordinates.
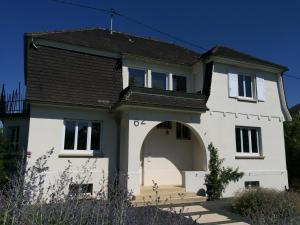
(230, 53)
(122, 43)
(61, 76)
(295, 109)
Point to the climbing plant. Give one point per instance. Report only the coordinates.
(219, 176)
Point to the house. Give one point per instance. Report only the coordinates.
(149, 109)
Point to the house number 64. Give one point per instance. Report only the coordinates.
(137, 122)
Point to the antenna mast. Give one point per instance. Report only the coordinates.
(112, 12)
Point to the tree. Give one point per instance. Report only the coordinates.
(219, 176)
(292, 146)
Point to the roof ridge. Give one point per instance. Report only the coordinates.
(65, 30)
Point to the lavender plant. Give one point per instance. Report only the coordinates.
(27, 199)
(268, 206)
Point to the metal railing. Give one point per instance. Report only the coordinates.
(13, 103)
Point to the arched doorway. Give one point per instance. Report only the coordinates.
(170, 149)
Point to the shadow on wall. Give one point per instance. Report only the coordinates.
(165, 155)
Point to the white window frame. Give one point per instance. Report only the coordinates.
(162, 72)
(169, 77)
(253, 87)
(258, 139)
(88, 150)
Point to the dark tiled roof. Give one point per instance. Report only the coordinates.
(61, 76)
(101, 39)
(230, 53)
(162, 99)
(295, 109)
(122, 43)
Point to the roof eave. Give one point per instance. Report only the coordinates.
(243, 63)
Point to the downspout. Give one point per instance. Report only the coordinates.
(282, 97)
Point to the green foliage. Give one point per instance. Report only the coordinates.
(292, 145)
(9, 159)
(268, 206)
(219, 176)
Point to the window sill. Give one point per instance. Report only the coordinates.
(81, 154)
(247, 99)
(248, 157)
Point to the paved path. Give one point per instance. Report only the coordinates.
(212, 213)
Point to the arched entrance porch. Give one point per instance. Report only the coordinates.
(171, 153)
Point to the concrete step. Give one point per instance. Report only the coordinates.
(146, 190)
(173, 201)
(165, 195)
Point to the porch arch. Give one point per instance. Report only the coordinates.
(164, 158)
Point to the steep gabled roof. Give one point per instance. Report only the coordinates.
(229, 53)
(122, 43)
(102, 39)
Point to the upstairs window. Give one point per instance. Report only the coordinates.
(245, 86)
(247, 141)
(182, 132)
(179, 83)
(159, 80)
(136, 77)
(82, 135)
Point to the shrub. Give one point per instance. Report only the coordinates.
(30, 201)
(219, 176)
(268, 206)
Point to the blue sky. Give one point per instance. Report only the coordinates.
(269, 29)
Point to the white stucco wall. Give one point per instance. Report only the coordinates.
(226, 113)
(216, 125)
(46, 132)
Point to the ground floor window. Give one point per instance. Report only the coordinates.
(182, 132)
(75, 189)
(82, 135)
(251, 184)
(248, 141)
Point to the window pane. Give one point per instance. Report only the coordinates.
(241, 85)
(248, 82)
(238, 139)
(82, 135)
(254, 141)
(136, 78)
(179, 83)
(245, 140)
(69, 134)
(159, 80)
(95, 138)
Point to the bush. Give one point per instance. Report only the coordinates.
(268, 206)
(29, 201)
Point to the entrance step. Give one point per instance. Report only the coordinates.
(166, 195)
